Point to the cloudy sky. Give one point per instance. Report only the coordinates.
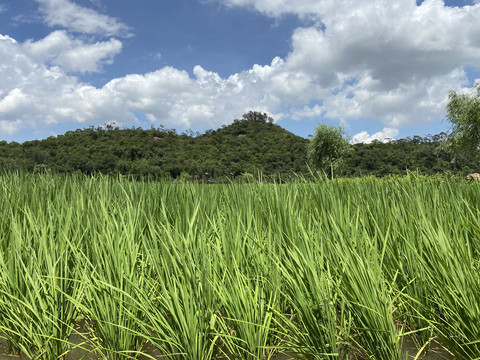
(380, 68)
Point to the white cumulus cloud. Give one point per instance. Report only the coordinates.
(393, 61)
(76, 18)
(60, 48)
(386, 135)
(315, 111)
(36, 94)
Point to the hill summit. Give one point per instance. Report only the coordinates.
(253, 143)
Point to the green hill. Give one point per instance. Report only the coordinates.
(247, 145)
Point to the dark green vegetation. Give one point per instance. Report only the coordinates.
(327, 149)
(332, 269)
(248, 145)
(252, 144)
(428, 155)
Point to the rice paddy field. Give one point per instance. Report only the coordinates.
(332, 269)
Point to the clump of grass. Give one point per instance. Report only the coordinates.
(114, 277)
(38, 272)
(182, 307)
(315, 329)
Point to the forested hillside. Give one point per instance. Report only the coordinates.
(248, 145)
(245, 146)
(428, 155)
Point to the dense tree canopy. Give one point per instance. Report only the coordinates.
(247, 146)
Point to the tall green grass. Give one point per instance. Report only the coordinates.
(330, 269)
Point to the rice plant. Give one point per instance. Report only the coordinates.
(326, 269)
(38, 279)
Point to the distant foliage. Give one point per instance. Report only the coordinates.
(427, 155)
(252, 144)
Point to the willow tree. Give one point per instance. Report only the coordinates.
(463, 113)
(327, 148)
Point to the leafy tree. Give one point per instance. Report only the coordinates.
(463, 113)
(257, 116)
(327, 148)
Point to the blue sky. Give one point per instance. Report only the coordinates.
(381, 69)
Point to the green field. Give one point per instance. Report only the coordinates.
(335, 269)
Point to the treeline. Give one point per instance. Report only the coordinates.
(249, 145)
(427, 155)
(246, 146)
